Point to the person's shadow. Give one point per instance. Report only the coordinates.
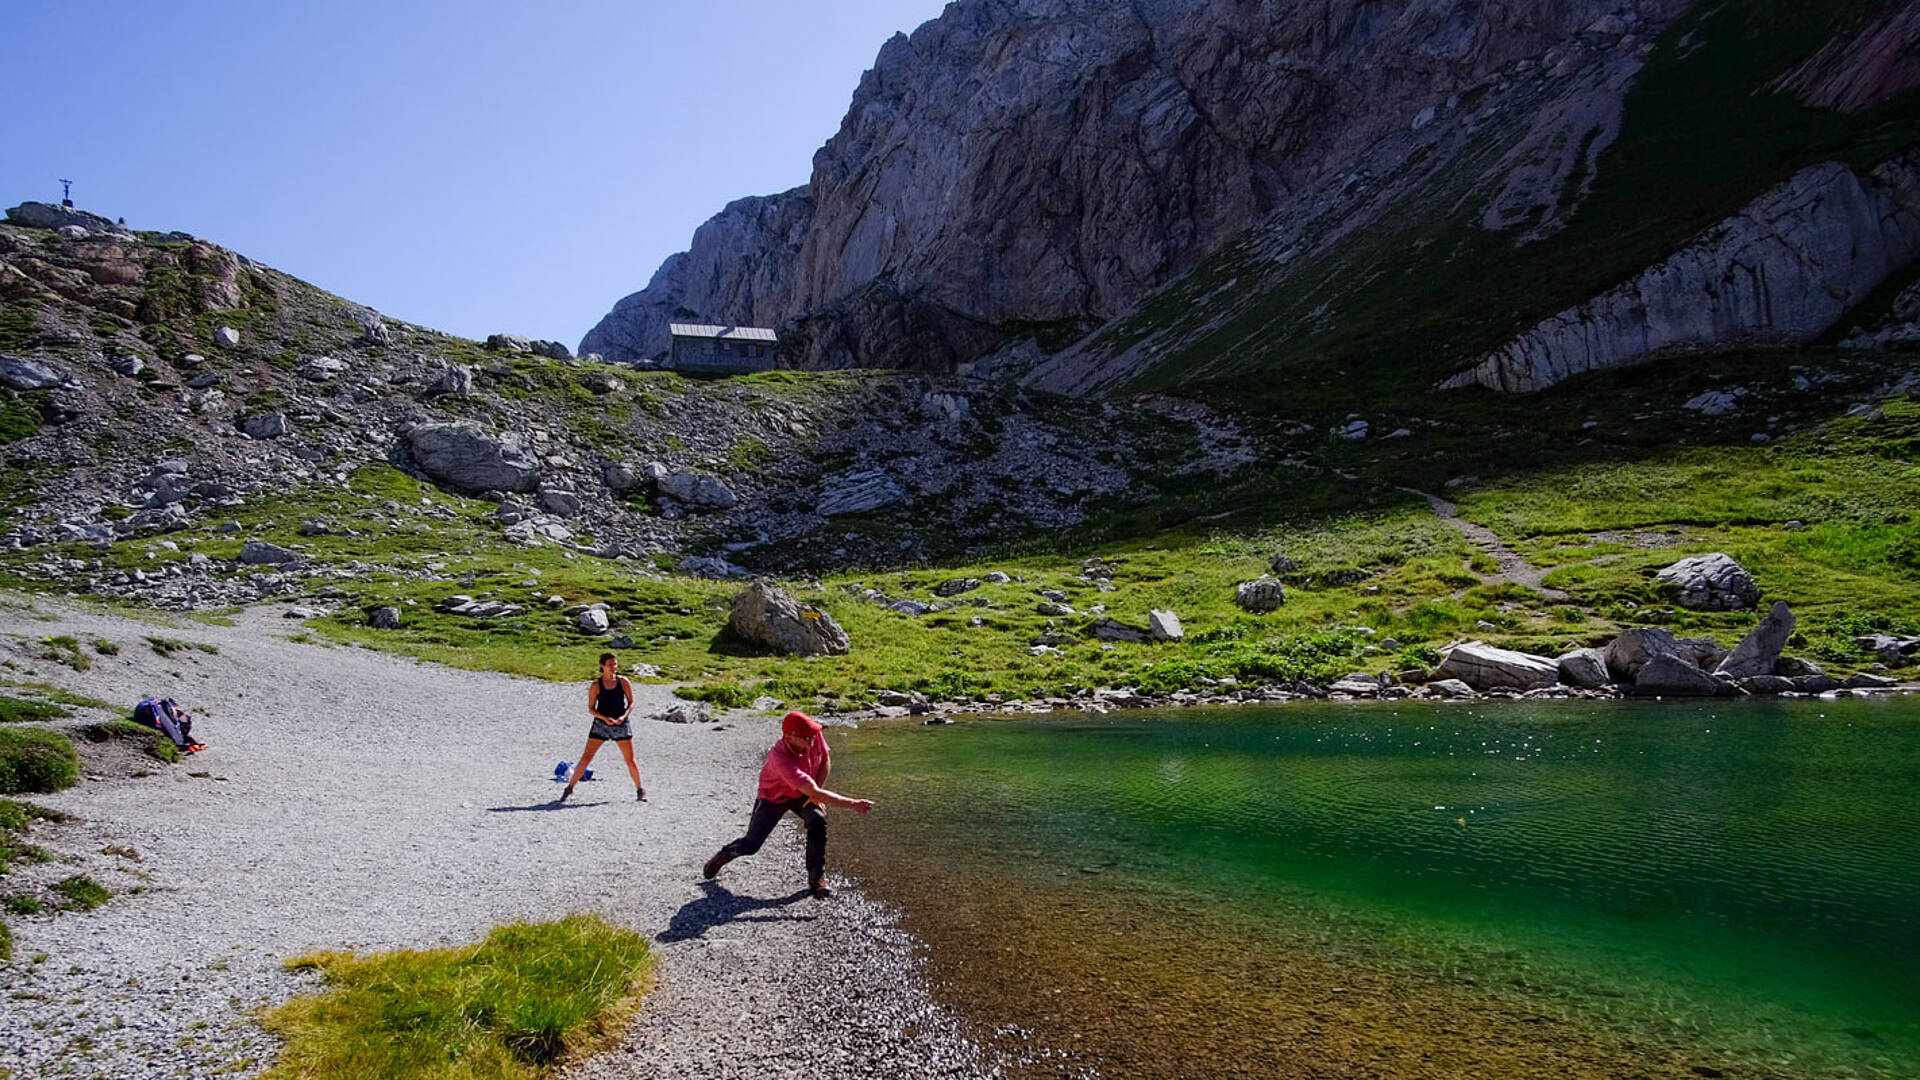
(720, 905)
(550, 804)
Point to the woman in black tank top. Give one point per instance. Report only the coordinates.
(610, 703)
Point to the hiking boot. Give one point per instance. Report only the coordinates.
(563, 795)
(819, 889)
(639, 794)
(712, 869)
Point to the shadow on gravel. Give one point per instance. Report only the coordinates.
(548, 805)
(720, 905)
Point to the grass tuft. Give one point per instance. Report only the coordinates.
(36, 759)
(167, 646)
(509, 1008)
(82, 892)
(15, 710)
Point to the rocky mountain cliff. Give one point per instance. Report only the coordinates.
(1033, 168)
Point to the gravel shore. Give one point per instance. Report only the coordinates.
(356, 801)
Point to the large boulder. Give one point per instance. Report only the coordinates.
(1484, 667)
(698, 489)
(1115, 630)
(765, 615)
(1759, 651)
(1671, 675)
(465, 457)
(1712, 582)
(1629, 652)
(267, 425)
(1261, 595)
(19, 374)
(1584, 668)
(261, 553)
(859, 492)
(1164, 626)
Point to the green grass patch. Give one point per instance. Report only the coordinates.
(65, 650)
(748, 454)
(720, 695)
(510, 1008)
(167, 646)
(36, 759)
(15, 710)
(17, 324)
(15, 818)
(20, 415)
(82, 893)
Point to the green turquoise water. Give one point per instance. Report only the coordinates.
(1745, 877)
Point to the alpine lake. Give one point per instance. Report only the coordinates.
(1512, 889)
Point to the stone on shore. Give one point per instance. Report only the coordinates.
(1629, 652)
(1712, 582)
(1759, 651)
(1584, 668)
(1670, 675)
(1483, 667)
(766, 616)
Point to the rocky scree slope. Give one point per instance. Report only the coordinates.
(150, 382)
(1032, 168)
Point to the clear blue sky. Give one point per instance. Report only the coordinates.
(477, 167)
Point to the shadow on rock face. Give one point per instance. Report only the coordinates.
(718, 906)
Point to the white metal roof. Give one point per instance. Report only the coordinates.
(731, 333)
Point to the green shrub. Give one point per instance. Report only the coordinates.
(506, 1009)
(36, 759)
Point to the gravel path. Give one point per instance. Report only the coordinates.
(1513, 567)
(358, 801)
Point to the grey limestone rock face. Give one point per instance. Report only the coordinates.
(1759, 652)
(467, 458)
(1020, 162)
(1261, 595)
(21, 374)
(1484, 667)
(39, 215)
(1780, 272)
(766, 615)
(1712, 582)
(859, 492)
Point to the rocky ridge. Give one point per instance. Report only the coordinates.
(157, 381)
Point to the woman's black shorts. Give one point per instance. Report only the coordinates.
(612, 732)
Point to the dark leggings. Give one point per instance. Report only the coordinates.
(766, 814)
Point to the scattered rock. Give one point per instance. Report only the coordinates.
(1164, 626)
(1114, 630)
(1712, 582)
(956, 586)
(259, 552)
(1450, 688)
(267, 426)
(857, 493)
(1053, 610)
(685, 712)
(465, 457)
(322, 368)
(129, 365)
(766, 616)
(557, 501)
(384, 618)
(1261, 595)
(600, 382)
(512, 343)
(592, 620)
(454, 379)
(227, 336)
(18, 374)
(698, 489)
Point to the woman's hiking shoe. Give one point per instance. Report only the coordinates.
(568, 791)
(819, 889)
(712, 869)
(639, 794)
